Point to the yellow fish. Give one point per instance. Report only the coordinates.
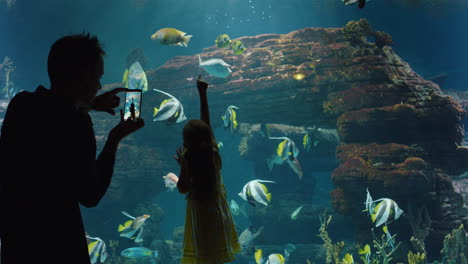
(258, 256)
(348, 259)
(238, 47)
(171, 36)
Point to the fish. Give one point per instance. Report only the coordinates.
(286, 151)
(255, 192)
(382, 211)
(230, 118)
(170, 110)
(131, 227)
(348, 259)
(247, 238)
(289, 248)
(275, 259)
(365, 253)
(171, 36)
(170, 181)
(235, 209)
(296, 212)
(295, 166)
(259, 256)
(308, 141)
(361, 3)
(135, 78)
(140, 253)
(223, 41)
(96, 249)
(220, 145)
(238, 47)
(215, 67)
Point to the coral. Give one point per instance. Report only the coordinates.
(418, 258)
(384, 249)
(356, 31)
(333, 250)
(382, 39)
(420, 222)
(455, 246)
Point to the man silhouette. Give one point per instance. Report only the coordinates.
(48, 157)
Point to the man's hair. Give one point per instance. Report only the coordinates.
(71, 54)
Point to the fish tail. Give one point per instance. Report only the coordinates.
(268, 196)
(186, 40)
(270, 164)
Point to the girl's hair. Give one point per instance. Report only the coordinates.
(199, 155)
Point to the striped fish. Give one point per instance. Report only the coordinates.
(255, 192)
(382, 211)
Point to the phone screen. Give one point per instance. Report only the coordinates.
(132, 97)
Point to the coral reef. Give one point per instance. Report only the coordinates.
(399, 135)
(455, 248)
(333, 250)
(418, 258)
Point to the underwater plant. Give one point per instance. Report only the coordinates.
(333, 250)
(384, 248)
(454, 247)
(8, 88)
(418, 258)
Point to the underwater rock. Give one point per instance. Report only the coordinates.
(400, 134)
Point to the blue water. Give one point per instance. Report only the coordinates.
(431, 39)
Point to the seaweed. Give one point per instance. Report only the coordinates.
(455, 246)
(333, 250)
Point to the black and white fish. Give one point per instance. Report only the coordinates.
(230, 118)
(382, 211)
(255, 192)
(96, 249)
(361, 3)
(170, 110)
(286, 151)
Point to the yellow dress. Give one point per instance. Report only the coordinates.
(210, 235)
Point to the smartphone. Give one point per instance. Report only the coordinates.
(132, 103)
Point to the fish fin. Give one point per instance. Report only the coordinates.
(199, 60)
(156, 110)
(180, 32)
(145, 86)
(258, 256)
(125, 78)
(268, 196)
(280, 149)
(270, 163)
(125, 225)
(92, 245)
(362, 3)
(186, 40)
(139, 237)
(373, 217)
(180, 44)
